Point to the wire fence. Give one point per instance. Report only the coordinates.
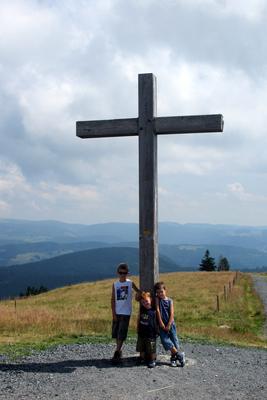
(227, 291)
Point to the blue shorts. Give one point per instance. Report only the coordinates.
(169, 339)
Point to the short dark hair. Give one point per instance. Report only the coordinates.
(159, 285)
(123, 266)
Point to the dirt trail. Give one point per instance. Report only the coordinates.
(260, 284)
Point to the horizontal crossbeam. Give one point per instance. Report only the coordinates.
(163, 125)
(107, 128)
(189, 124)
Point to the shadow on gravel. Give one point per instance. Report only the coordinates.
(69, 366)
(65, 367)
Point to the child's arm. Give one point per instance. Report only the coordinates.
(137, 322)
(114, 317)
(155, 324)
(161, 324)
(136, 288)
(171, 319)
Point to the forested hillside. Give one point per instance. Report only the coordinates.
(89, 265)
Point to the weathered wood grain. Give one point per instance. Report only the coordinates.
(162, 125)
(189, 124)
(148, 183)
(107, 128)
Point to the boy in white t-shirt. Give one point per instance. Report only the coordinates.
(121, 306)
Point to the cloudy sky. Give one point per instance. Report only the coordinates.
(68, 60)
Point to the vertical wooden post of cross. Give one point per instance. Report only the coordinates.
(148, 182)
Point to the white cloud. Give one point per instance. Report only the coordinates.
(57, 192)
(41, 197)
(45, 107)
(4, 208)
(238, 190)
(185, 159)
(249, 9)
(11, 179)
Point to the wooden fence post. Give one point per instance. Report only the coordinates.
(218, 303)
(225, 293)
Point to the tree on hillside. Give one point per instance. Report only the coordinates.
(33, 291)
(207, 263)
(223, 264)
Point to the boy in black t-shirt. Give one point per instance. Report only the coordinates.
(147, 330)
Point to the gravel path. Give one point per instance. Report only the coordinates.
(84, 372)
(260, 284)
(80, 372)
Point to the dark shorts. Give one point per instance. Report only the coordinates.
(146, 345)
(120, 327)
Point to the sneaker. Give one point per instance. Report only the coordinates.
(173, 361)
(181, 358)
(151, 364)
(116, 357)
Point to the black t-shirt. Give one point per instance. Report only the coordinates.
(147, 326)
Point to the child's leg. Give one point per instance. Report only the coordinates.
(173, 351)
(117, 354)
(176, 352)
(151, 357)
(119, 343)
(151, 360)
(140, 347)
(151, 348)
(174, 339)
(165, 340)
(122, 330)
(115, 335)
(142, 355)
(119, 332)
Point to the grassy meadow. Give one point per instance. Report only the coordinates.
(82, 312)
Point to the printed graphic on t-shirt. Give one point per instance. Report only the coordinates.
(144, 319)
(122, 293)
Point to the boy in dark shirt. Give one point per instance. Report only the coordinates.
(147, 330)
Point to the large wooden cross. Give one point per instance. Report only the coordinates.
(147, 126)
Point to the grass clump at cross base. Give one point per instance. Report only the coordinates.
(81, 313)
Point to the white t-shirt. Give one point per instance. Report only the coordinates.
(123, 297)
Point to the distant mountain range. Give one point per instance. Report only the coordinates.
(53, 254)
(19, 231)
